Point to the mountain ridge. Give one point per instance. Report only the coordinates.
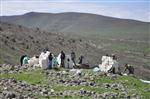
(33, 12)
(83, 24)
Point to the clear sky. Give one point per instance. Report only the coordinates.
(128, 9)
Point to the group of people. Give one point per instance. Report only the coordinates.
(48, 60)
(110, 65)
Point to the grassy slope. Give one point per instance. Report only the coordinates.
(40, 78)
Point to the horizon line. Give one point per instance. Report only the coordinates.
(73, 12)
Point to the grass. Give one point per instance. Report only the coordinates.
(67, 97)
(63, 88)
(130, 82)
(38, 77)
(32, 77)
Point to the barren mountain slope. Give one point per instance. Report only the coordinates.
(17, 40)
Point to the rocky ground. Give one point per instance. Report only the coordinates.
(33, 83)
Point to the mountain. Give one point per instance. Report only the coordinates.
(106, 32)
(83, 24)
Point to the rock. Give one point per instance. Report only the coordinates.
(13, 80)
(47, 73)
(5, 88)
(123, 95)
(147, 90)
(9, 95)
(107, 85)
(92, 84)
(52, 90)
(44, 92)
(109, 95)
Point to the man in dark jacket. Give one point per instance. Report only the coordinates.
(80, 59)
(130, 69)
(62, 59)
(50, 57)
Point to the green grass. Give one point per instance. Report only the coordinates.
(32, 77)
(63, 88)
(38, 77)
(130, 82)
(66, 97)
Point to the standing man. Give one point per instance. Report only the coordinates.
(50, 58)
(73, 57)
(62, 59)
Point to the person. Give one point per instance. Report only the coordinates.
(34, 61)
(25, 60)
(130, 69)
(73, 57)
(68, 61)
(50, 58)
(43, 59)
(62, 59)
(21, 59)
(115, 66)
(54, 61)
(80, 59)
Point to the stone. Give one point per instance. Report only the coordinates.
(52, 90)
(107, 85)
(147, 90)
(9, 95)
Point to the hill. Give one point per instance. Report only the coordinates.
(17, 40)
(83, 24)
(109, 33)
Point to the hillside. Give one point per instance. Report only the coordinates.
(83, 24)
(109, 33)
(17, 40)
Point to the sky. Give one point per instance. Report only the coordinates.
(127, 9)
